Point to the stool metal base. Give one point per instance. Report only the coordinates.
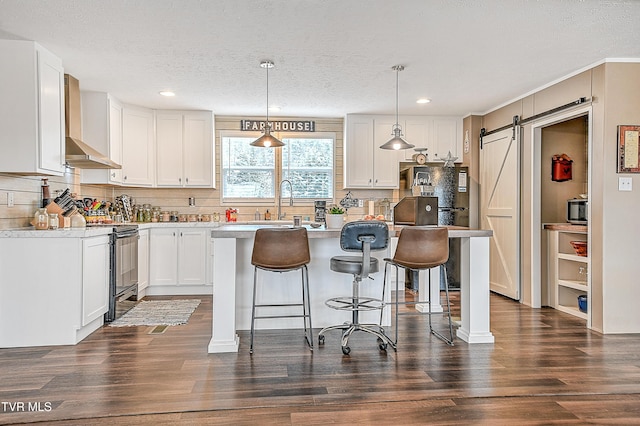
(349, 327)
(357, 304)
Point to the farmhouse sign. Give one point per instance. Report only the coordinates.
(278, 126)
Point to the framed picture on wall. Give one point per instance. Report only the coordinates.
(628, 149)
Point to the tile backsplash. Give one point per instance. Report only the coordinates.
(27, 195)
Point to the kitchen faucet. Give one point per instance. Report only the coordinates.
(280, 215)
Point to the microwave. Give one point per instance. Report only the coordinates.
(578, 211)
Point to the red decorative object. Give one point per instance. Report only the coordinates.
(580, 247)
(561, 166)
(232, 215)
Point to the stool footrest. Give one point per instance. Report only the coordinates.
(355, 304)
(281, 316)
(279, 305)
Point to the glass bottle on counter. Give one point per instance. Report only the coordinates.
(155, 214)
(41, 219)
(78, 220)
(53, 221)
(146, 213)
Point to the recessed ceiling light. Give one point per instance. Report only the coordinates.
(167, 93)
(274, 108)
(423, 101)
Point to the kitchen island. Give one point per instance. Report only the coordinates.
(233, 283)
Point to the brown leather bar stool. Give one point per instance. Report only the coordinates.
(421, 248)
(362, 236)
(282, 250)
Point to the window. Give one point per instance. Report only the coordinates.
(247, 171)
(252, 174)
(308, 164)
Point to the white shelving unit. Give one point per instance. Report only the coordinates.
(568, 272)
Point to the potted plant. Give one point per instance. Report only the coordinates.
(335, 217)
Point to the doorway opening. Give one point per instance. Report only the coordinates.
(568, 133)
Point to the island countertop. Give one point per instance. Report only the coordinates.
(248, 230)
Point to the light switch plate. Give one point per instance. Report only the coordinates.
(625, 184)
(9, 199)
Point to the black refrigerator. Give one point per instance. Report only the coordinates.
(451, 186)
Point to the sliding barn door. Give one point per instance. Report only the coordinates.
(499, 209)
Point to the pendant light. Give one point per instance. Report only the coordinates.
(397, 142)
(267, 140)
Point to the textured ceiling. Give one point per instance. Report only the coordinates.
(332, 56)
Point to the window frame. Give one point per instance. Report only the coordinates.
(278, 172)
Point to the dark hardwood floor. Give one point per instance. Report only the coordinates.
(544, 368)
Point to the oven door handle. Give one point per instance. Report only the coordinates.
(127, 234)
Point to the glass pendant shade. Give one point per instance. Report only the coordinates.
(267, 140)
(397, 142)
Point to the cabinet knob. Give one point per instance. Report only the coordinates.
(180, 180)
(113, 174)
(187, 179)
(125, 178)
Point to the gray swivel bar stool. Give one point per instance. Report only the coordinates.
(364, 237)
(421, 248)
(282, 250)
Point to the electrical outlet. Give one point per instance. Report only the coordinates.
(9, 199)
(360, 203)
(625, 184)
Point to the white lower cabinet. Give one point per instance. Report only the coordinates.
(568, 272)
(95, 278)
(53, 290)
(143, 263)
(178, 261)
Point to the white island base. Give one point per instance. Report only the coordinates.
(233, 283)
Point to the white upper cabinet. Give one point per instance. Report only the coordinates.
(137, 146)
(365, 164)
(358, 152)
(447, 137)
(438, 134)
(368, 166)
(385, 161)
(184, 149)
(102, 129)
(32, 111)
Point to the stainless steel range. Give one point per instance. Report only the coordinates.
(123, 279)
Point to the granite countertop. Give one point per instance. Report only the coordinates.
(58, 233)
(220, 230)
